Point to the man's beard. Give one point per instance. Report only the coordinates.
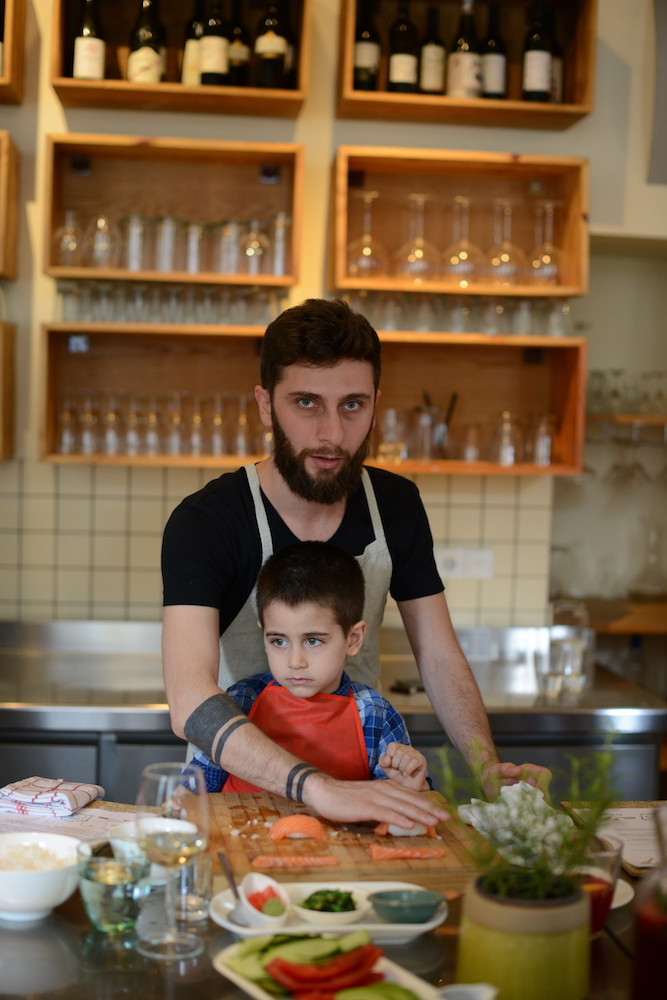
(331, 486)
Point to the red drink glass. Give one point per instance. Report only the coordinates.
(650, 967)
(598, 879)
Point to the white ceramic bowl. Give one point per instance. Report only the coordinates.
(245, 913)
(328, 917)
(31, 895)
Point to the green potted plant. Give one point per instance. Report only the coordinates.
(525, 923)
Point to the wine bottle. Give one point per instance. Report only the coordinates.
(556, 96)
(432, 56)
(537, 58)
(271, 45)
(366, 49)
(464, 65)
(403, 52)
(194, 29)
(494, 59)
(239, 49)
(146, 61)
(214, 62)
(89, 45)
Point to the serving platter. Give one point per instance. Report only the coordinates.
(381, 932)
(392, 972)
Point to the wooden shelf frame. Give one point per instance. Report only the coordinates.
(384, 105)
(11, 79)
(162, 157)
(9, 206)
(634, 419)
(389, 169)
(174, 96)
(7, 390)
(125, 353)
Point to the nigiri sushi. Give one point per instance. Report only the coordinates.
(416, 830)
(298, 826)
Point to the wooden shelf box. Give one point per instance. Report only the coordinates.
(576, 26)
(116, 92)
(11, 77)
(530, 375)
(441, 175)
(7, 381)
(204, 181)
(9, 181)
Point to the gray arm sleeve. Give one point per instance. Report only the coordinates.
(212, 722)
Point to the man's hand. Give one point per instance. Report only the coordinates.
(382, 801)
(406, 765)
(496, 774)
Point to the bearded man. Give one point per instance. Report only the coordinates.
(320, 372)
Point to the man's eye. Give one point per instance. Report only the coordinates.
(353, 404)
(307, 404)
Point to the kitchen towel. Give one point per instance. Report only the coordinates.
(47, 797)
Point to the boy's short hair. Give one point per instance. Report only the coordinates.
(313, 573)
(320, 333)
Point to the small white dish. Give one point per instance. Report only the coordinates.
(328, 918)
(392, 972)
(469, 991)
(245, 913)
(623, 893)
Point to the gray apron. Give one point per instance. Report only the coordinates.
(241, 644)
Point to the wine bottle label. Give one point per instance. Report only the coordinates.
(191, 73)
(556, 80)
(88, 58)
(537, 71)
(144, 65)
(239, 53)
(494, 73)
(367, 56)
(403, 68)
(432, 68)
(214, 54)
(464, 74)
(270, 44)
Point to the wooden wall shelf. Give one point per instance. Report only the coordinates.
(635, 419)
(9, 203)
(11, 78)
(578, 29)
(115, 92)
(442, 175)
(623, 617)
(485, 371)
(122, 175)
(7, 381)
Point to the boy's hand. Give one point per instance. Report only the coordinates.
(405, 765)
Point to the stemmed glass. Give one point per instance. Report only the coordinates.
(172, 822)
(367, 257)
(546, 260)
(506, 263)
(242, 437)
(462, 261)
(417, 258)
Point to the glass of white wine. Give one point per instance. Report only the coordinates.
(172, 816)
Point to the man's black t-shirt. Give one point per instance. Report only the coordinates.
(211, 552)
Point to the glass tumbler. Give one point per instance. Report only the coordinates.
(169, 244)
(138, 243)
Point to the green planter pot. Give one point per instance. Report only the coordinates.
(528, 949)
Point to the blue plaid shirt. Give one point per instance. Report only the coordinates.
(380, 722)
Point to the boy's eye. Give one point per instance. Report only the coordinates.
(278, 642)
(312, 641)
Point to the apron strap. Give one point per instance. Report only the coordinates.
(260, 511)
(374, 510)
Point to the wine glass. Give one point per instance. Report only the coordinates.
(367, 257)
(462, 261)
(506, 263)
(172, 821)
(546, 260)
(67, 241)
(417, 259)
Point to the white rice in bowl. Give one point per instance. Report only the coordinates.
(30, 858)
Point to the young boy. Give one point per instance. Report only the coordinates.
(310, 601)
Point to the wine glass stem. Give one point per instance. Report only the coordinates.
(507, 224)
(465, 222)
(417, 220)
(549, 225)
(170, 897)
(367, 235)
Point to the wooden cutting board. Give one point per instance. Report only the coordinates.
(240, 827)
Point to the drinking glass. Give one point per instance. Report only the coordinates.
(462, 261)
(521, 318)
(104, 303)
(505, 263)
(66, 444)
(226, 246)
(506, 448)
(280, 234)
(559, 318)
(112, 889)
(367, 257)
(392, 429)
(132, 433)
(67, 240)
(255, 250)
(495, 317)
(87, 414)
(85, 302)
(153, 435)
(172, 838)
(174, 433)
(195, 245)
(218, 432)
(542, 440)
(169, 244)
(138, 246)
(651, 922)
(417, 259)
(110, 434)
(242, 433)
(598, 878)
(472, 443)
(459, 314)
(388, 313)
(195, 436)
(546, 260)
(102, 242)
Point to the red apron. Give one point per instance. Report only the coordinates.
(324, 730)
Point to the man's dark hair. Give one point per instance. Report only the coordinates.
(313, 573)
(319, 333)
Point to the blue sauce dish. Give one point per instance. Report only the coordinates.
(406, 906)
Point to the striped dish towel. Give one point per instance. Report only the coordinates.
(47, 797)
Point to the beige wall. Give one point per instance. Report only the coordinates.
(84, 542)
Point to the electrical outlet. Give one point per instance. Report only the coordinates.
(472, 564)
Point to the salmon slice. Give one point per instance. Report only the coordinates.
(387, 852)
(295, 861)
(418, 830)
(298, 826)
